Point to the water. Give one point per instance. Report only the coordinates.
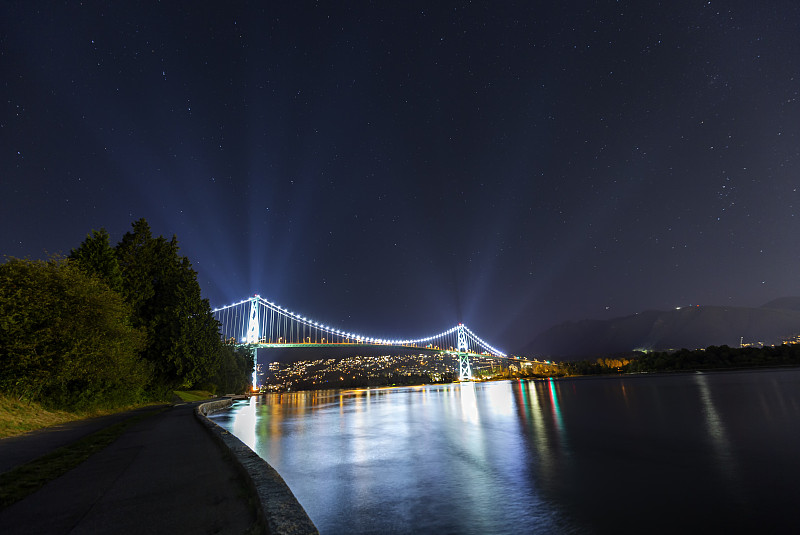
(692, 452)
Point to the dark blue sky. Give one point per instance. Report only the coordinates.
(395, 170)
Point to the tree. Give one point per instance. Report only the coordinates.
(235, 369)
(182, 335)
(96, 257)
(66, 339)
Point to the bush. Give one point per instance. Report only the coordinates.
(65, 338)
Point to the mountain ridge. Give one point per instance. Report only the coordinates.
(657, 330)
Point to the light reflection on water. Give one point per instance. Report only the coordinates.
(723, 453)
(611, 454)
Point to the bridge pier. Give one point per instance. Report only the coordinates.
(464, 370)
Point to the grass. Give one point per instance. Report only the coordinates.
(28, 478)
(18, 417)
(193, 395)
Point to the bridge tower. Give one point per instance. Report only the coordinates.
(464, 370)
(253, 336)
(252, 328)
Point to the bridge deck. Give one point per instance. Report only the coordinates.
(394, 347)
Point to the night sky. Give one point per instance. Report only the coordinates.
(395, 170)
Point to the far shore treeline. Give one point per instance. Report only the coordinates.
(109, 327)
(711, 358)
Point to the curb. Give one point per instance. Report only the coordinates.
(279, 510)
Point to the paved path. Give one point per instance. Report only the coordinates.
(21, 449)
(165, 474)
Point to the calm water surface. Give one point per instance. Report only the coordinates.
(713, 452)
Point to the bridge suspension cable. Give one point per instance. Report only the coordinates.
(258, 321)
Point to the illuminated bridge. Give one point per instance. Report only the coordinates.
(257, 322)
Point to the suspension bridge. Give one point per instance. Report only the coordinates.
(257, 322)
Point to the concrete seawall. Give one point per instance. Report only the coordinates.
(280, 510)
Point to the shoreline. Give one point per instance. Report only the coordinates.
(546, 378)
(278, 507)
